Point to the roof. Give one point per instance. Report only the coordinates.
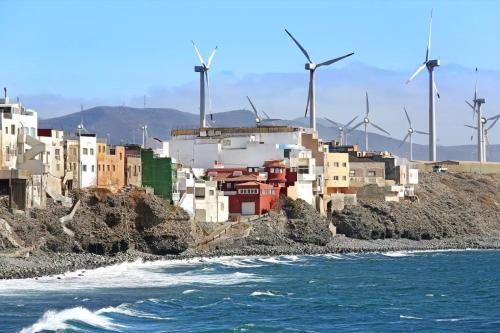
(217, 131)
(274, 163)
(243, 178)
(253, 183)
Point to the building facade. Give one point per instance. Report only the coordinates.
(157, 173)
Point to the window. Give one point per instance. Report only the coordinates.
(57, 154)
(229, 186)
(344, 164)
(304, 169)
(335, 177)
(12, 129)
(114, 168)
(135, 170)
(371, 173)
(344, 178)
(336, 164)
(58, 167)
(98, 167)
(352, 173)
(84, 168)
(108, 167)
(85, 151)
(121, 156)
(248, 191)
(91, 151)
(93, 168)
(7, 153)
(6, 130)
(211, 192)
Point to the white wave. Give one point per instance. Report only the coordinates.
(190, 291)
(58, 320)
(266, 293)
(125, 310)
(128, 275)
(429, 295)
(333, 256)
(397, 254)
(450, 319)
(409, 317)
(282, 260)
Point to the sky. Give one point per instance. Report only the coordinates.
(114, 52)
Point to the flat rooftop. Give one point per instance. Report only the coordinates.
(220, 131)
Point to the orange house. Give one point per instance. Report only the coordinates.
(110, 166)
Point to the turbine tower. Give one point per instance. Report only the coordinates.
(430, 65)
(311, 67)
(366, 121)
(204, 79)
(342, 129)
(410, 133)
(481, 121)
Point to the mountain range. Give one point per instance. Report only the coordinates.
(122, 125)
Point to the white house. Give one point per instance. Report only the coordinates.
(88, 159)
(210, 204)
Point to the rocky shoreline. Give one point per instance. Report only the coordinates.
(57, 264)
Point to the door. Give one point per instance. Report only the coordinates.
(248, 208)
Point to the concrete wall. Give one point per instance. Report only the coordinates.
(360, 174)
(133, 171)
(463, 166)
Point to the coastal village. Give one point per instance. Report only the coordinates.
(220, 174)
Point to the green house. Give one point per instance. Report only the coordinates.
(157, 173)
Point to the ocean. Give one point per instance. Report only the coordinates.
(447, 291)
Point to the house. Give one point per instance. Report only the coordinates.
(22, 173)
(337, 173)
(210, 204)
(81, 160)
(253, 198)
(111, 166)
(228, 178)
(133, 165)
(363, 171)
(53, 158)
(301, 175)
(157, 173)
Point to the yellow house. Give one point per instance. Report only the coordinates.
(336, 173)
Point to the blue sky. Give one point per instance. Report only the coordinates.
(98, 49)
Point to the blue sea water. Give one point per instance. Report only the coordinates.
(450, 291)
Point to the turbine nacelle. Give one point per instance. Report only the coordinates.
(411, 130)
(199, 69)
(433, 63)
(366, 120)
(484, 120)
(310, 66)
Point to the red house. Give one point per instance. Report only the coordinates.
(253, 198)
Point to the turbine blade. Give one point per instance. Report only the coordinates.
(407, 116)
(300, 46)
(475, 89)
(469, 126)
(308, 98)
(349, 123)
(419, 69)
(380, 128)
(435, 88)
(469, 104)
(211, 57)
(404, 139)
(422, 132)
(207, 80)
(367, 104)
(253, 106)
(493, 123)
(494, 117)
(332, 122)
(355, 126)
(427, 53)
(329, 62)
(264, 112)
(199, 54)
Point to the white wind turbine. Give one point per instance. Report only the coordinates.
(257, 117)
(204, 79)
(311, 67)
(485, 142)
(430, 64)
(481, 121)
(366, 121)
(343, 129)
(410, 133)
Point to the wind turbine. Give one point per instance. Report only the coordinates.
(430, 65)
(80, 127)
(366, 121)
(257, 117)
(311, 67)
(485, 142)
(343, 129)
(144, 129)
(410, 133)
(204, 79)
(481, 121)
